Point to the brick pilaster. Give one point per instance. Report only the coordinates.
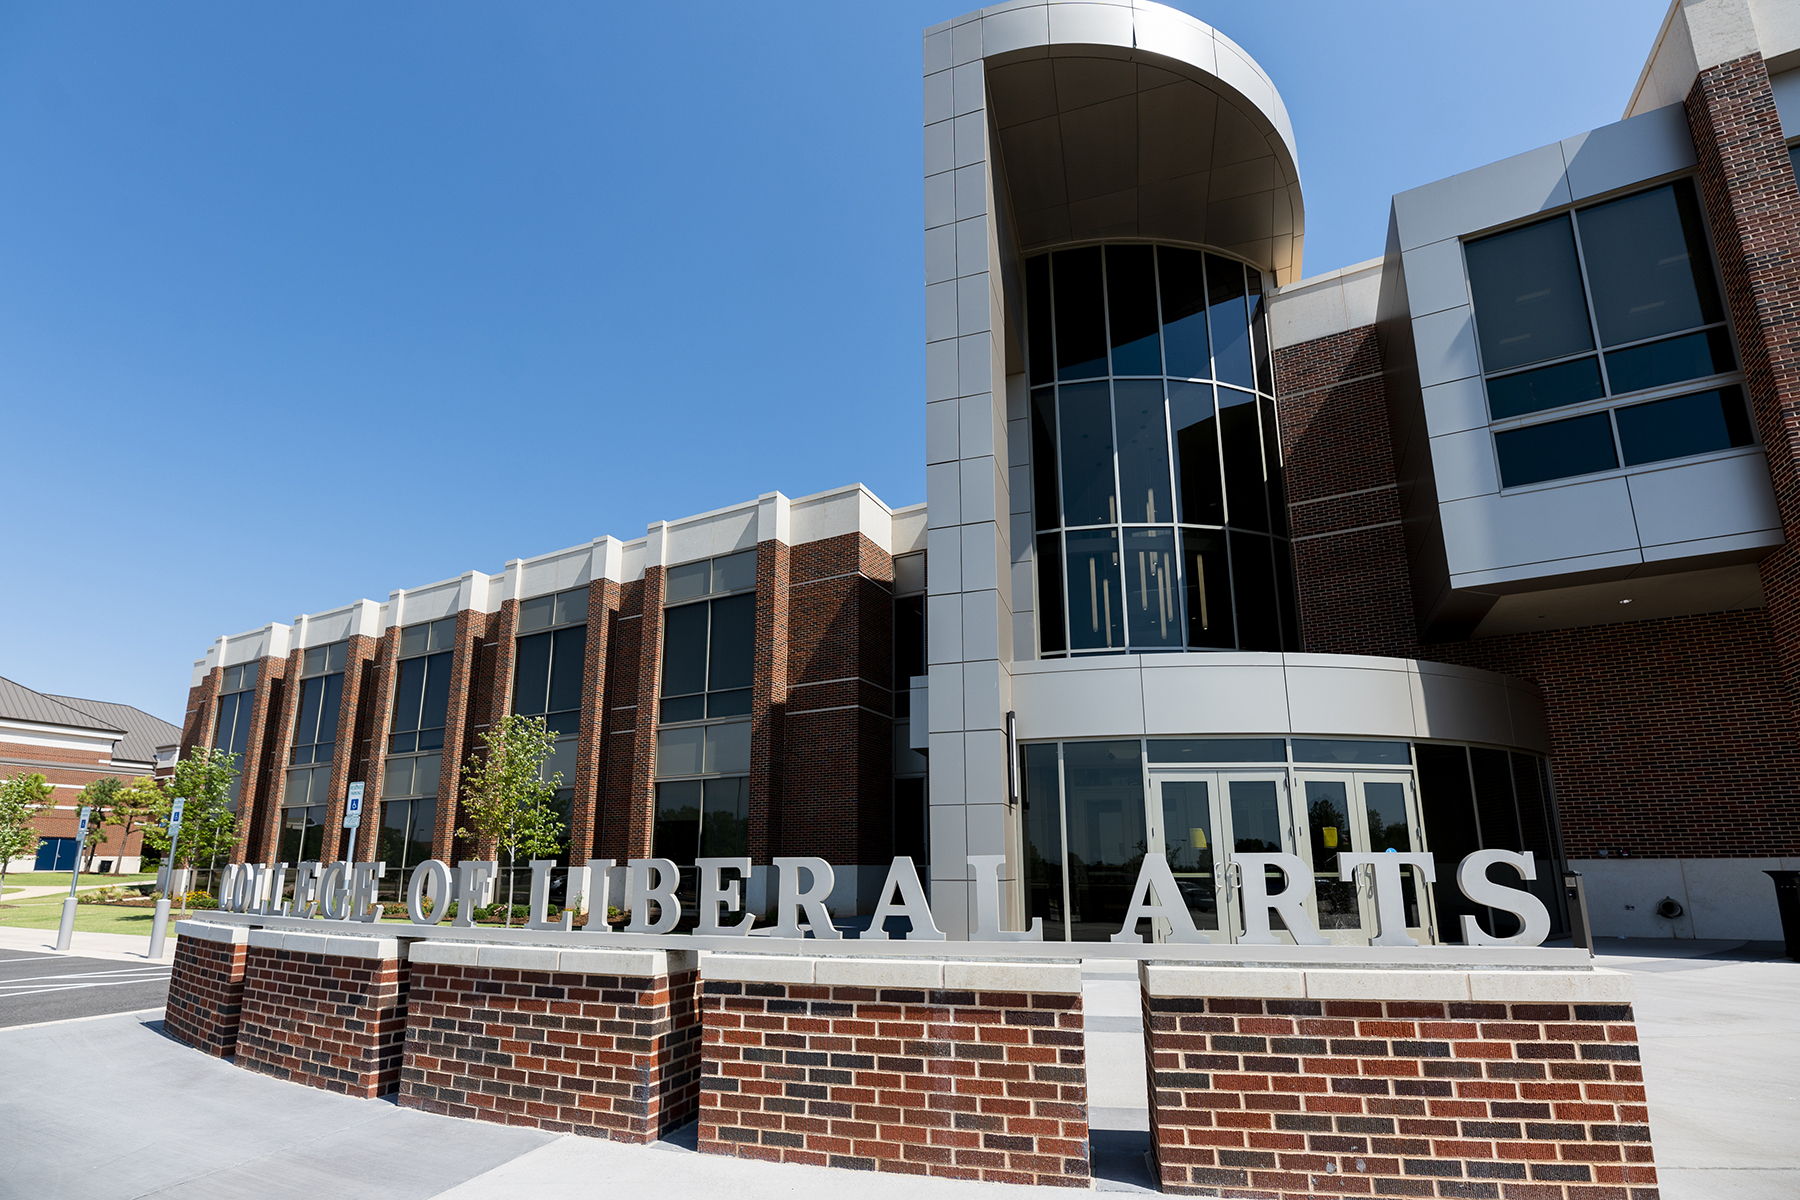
(349, 756)
(640, 779)
(768, 694)
(253, 813)
(280, 748)
(590, 747)
(1747, 184)
(379, 721)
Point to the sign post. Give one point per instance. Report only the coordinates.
(65, 932)
(159, 924)
(352, 819)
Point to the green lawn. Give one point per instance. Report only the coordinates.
(61, 879)
(46, 913)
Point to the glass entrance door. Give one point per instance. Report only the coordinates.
(1360, 812)
(1198, 820)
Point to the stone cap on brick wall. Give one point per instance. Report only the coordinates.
(327, 944)
(636, 964)
(1012, 975)
(206, 931)
(1594, 986)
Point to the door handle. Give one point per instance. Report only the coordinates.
(1234, 875)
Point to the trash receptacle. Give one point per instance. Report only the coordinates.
(1787, 903)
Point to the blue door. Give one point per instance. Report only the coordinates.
(56, 854)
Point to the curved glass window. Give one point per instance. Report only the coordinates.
(1156, 461)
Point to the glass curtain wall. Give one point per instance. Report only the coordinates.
(1084, 809)
(1156, 463)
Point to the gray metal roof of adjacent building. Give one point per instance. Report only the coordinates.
(143, 733)
(139, 734)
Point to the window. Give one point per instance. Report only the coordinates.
(409, 788)
(321, 695)
(231, 727)
(709, 639)
(422, 692)
(549, 666)
(702, 818)
(1612, 300)
(1153, 433)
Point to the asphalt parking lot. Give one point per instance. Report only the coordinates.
(43, 986)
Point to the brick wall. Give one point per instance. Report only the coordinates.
(1316, 1096)
(576, 1041)
(1653, 723)
(329, 1012)
(1350, 564)
(206, 987)
(910, 1069)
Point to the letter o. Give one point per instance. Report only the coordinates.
(430, 878)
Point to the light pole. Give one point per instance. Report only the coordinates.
(65, 932)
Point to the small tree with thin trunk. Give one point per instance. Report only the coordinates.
(22, 798)
(98, 796)
(509, 805)
(208, 826)
(136, 805)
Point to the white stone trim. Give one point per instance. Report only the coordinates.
(1169, 979)
(756, 968)
(1552, 987)
(206, 931)
(879, 972)
(1060, 978)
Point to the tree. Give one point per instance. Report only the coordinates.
(509, 805)
(137, 805)
(98, 796)
(208, 825)
(22, 798)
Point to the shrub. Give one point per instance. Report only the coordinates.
(198, 899)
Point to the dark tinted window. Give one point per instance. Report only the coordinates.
(1691, 356)
(1042, 801)
(1556, 450)
(1196, 430)
(1043, 457)
(1208, 586)
(421, 700)
(1080, 314)
(1546, 387)
(1085, 415)
(1647, 266)
(1143, 443)
(1253, 576)
(1152, 595)
(1228, 309)
(1246, 500)
(1526, 287)
(1131, 310)
(1182, 280)
(1050, 593)
(1683, 425)
(1096, 614)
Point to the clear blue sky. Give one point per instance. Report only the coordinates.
(301, 303)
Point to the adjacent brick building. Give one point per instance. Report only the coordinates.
(73, 742)
(1482, 544)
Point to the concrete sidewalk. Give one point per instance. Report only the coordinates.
(126, 947)
(1721, 1045)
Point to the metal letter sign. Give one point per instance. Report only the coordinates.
(353, 808)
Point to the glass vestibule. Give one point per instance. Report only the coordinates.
(1093, 810)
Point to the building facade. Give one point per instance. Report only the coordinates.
(1484, 543)
(73, 742)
